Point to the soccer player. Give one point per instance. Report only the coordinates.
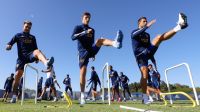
(8, 86)
(39, 86)
(155, 78)
(53, 89)
(28, 52)
(115, 83)
(144, 50)
(49, 83)
(84, 35)
(67, 82)
(94, 79)
(124, 85)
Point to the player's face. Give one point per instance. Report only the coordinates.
(27, 28)
(85, 19)
(142, 23)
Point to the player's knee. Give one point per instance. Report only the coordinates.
(36, 52)
(99, 41)
(159, 38)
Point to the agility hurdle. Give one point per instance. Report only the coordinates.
(24, 78)
(183, 93)
(105, 67)
(68, 99)
(191, 80)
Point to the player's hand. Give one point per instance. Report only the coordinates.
(151, 22)
(89, 31)
(8, 47)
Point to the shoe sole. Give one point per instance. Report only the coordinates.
(185, 21)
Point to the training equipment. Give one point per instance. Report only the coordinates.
(191, 80)
(24, 78)
(68, 99)
(105, 67)
(190, 98)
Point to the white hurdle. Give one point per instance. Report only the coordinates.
(191, 80)
(105, 67)
(24, 76)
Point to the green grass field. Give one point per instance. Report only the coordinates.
(61, 106)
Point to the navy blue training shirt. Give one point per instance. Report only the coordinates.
(9, 82)
(123, 79)
(67, 81)
(114, 76)
(85, 41)
(140, 40)
(26, 43)
(94, 78)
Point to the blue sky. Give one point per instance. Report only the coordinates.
(54, 21)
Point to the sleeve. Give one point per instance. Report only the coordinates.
(12, 41)
(35, 43)
(64, 81)
(99, 80)
(89, 82)
(135, 33)
(127, 78)
(5, 83)
(118, 79)
(93, 35)
(76, 34)
(70, 81)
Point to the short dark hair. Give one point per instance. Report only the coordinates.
(110, 66)
(28, 22)
(86, 14)
(141, 18)
(92, 67)
(150, 65)
(12, 74)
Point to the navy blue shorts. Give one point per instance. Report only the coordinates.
(115, 85)
(94, 86)
(39, 90)
(8, 89)
(85, 55)
(22, 61)
(49, 82)
(68, 87)
(142, 58)
(125, 86)
(155, 84)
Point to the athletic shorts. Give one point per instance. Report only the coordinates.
(125, 86)
(115, 85)
(155, 84)
(142, 58)
(8, 89)
(49, 82)
(29, 58)
(68, 87)
(39, 89)
(85, 55)
(94, 86)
